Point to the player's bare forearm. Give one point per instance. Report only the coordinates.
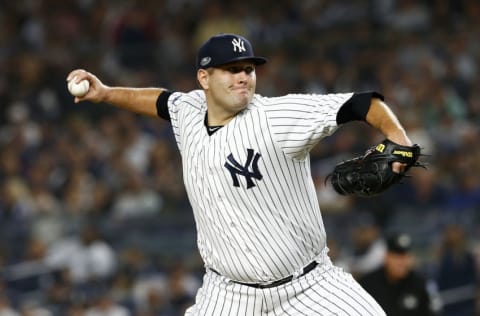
(139, 100)
(381, 117)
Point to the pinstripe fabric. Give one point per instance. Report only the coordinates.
(272, 228)
(299, 121)
(256, 208)
(327, 290)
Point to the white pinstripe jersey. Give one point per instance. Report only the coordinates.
(250, 185)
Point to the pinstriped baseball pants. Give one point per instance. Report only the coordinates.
(326, 290)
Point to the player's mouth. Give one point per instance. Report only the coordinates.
(242, 89)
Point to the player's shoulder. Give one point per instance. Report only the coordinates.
(291, 98)
(194, 98)
(299, 101)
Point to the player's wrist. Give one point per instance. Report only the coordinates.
(109, 94)
(399, 137)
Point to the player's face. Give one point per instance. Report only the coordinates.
(230, 88)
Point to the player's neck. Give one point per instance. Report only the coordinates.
(218, 118)
(211, 129)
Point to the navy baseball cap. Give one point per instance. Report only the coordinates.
(222, 49)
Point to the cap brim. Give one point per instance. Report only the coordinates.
(255, 60)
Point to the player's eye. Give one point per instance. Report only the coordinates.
(237, 69)
(249, 70)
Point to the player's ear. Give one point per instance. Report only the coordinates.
(202, 77)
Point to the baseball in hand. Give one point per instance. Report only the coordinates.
(78, 89)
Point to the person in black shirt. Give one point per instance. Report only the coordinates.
(397, 287)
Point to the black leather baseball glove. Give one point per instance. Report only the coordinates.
(372, 173)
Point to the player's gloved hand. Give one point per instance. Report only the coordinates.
(372, 173)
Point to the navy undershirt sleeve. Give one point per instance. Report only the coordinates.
(356, 108)
(162, 105)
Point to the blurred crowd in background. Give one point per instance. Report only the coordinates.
(94, 219)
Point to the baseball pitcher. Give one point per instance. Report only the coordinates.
(246, 170)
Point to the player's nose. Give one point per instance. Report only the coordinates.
(242, 76)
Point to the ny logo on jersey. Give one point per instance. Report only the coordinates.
(237, 169)
(238, 44)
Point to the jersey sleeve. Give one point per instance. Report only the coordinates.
(184, 110)
(356, 108)
(298, 121)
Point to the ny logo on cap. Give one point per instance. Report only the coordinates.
(238, 44)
